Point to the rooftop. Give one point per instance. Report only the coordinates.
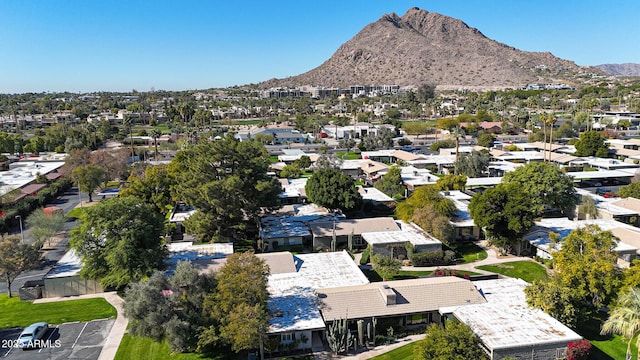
(409, 233)
(506, 321)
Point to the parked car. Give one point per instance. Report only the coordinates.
(602, 191)
(32, 334)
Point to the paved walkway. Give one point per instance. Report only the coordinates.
(117, 330)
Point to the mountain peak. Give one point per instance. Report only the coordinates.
(423, 47)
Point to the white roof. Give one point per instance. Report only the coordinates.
(506, 321)
(373, 194)
(187, 251)
(600, 174)
(413, 176)
(605, 204)
(24, 172)
(461, 201)
(409, 233)
(484, 181)
(294, 188)
(293, 301)
(69, 265)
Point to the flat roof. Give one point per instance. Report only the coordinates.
(22, 173)
(69, 265)
(411, 296)
(506, 321)
(293, 301)
(408, 233)
(373, 194)
(353, 226)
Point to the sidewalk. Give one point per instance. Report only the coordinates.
(117, 330)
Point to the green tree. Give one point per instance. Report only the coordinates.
(421, 197)
(152, 187)
(333, 189)
(119, 241)
(239, 303)
(588, 207)
(586, 276)
(451, 182)
(547, 185)
(505, 213)
(386, 267)
(391, 182)
(486, 140)
(226, 181)
(44, 226)
(591, 143)
(453, 341)
(16, 257)
(624, 319)
(155, 134)
(474, 164)
(170, 308)
(442, 144)
(631, 190)
(428, 218)
(291, 171)
(88, 177)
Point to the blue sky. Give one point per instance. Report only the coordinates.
(100, 45)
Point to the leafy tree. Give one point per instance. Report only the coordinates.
(474, 164)
(591, 143)
(76, 158)
(505, 213)
(442, 144)
(453, 341)
(291, 171)
(387, 267)
(383, 139)
(152, 187)
(631, 190)
(547, 185)
(486, 140)
(88, 177)
(428, 218)
(451, 182)
(447, 123)
(45, 226)
(239, 303)
(421, 197)
(171, 307)
(303, 162)
(624, 319)
(333, 189)
(16, 257)
(588, 207)
(586, 277)
(226, 181)
(631, 278)
(391, 182)
(119, 241)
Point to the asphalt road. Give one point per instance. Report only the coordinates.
(67, 202)
(80, 340)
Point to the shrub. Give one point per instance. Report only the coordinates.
(432, 258)
(365, 256)
(578, 350)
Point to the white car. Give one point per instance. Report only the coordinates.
(32, 335)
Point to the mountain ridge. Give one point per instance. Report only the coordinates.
(423, 47)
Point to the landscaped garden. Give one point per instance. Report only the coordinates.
(402, 353)
(528, 271)
(470, 252)
(16, 313)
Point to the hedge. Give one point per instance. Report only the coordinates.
(433, 258)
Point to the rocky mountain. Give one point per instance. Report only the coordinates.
(424, 47)
(627, 69)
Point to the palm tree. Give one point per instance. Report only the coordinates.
(552, 119)
(128, 122)
(456, 133)
(155, 134)
(625, 319)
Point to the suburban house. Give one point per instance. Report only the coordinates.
(465, 227)
(400, 302)
(348, 231)
(279, 134)
(394, 243)
(539, 241)
(508, 327)
(296, 320)
(293, 191)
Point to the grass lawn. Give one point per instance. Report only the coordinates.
(401, 353)
(350, 156)
(133, 347)
(16, 313)
(605, 347)
(470, 252)
(528, 271)
(75, 213)
(407, 274)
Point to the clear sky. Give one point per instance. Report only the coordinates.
(108, 45)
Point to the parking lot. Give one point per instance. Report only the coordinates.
(82, 340)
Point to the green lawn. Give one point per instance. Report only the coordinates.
(75, 213)
(528, 271)
(350, 156)
(16, 313)
(605, 347)
(133, 347)
(470, 252)
(402, 353)
(408, 274)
